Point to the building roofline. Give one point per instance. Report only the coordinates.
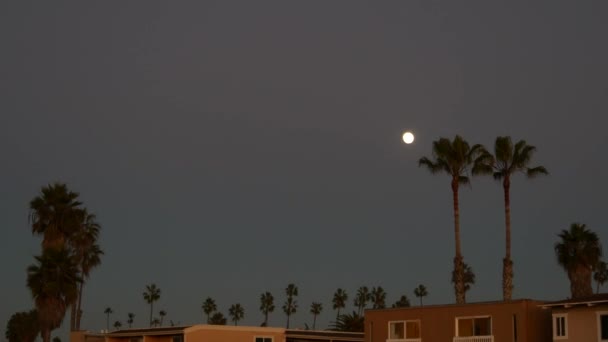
(601, 298)
(514, 301)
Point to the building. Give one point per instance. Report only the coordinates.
(582, 319)
(516, 321)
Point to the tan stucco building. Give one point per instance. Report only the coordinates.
(580, 320)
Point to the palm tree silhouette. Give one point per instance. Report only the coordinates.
(209, 306)
(339, 301)
(315, 309)
(236, 312)
(291, 305)
(266, 305)
(421, 292)
(151, 295)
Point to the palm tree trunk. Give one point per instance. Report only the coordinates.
(338, 315)
(108, 321)
(266, 318)
(79, 310)
(314, 322)
(458, 261)
(151, 309)
(287, 321)
(507, 263)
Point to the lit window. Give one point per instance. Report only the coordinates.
(560, 326)
(401, 330)
(474, 326)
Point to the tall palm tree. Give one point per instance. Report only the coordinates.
(378, 296)
(455, 158)
(315, 310)
(83, 244)
(469, 277)
(507, 160)
(361, 299)
(209, 306)
(421, 292)
(291, 305)
(403, 302)
(108, 311)
(339, 301)
(55, 214)
(151, 295)
(601, 274)
(578, 252)
(266, 305)
(53, 283)
(131, 317)
(236, 312)
(162, 314)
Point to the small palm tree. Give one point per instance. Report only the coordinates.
(403, 302)
(601, 274)
(339, 301)
(162, 314)
(209, 306)
(131, 317)
(117, 325)
(108, 311)
(507, 160)
(266, 305)
(151, 295)
(378, 296)
(421, 292)
(578, 252)
(236, 313)
(315, 310)
(291, 305)
(363, 296)
(217, 319)
(455, 158)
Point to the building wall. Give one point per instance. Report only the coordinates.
(438, 323)
(581, 322)
(218, 333)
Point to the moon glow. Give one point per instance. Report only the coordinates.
(408, 137)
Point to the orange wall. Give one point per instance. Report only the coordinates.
(207, 333)
(582, 322)
(437, 323)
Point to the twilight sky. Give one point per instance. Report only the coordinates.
(232, 147)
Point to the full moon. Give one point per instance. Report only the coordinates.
(408, 138)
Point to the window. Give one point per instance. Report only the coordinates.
(474, 326)
(262, 339)
(560, 326)
(602, 325)
(401, 330)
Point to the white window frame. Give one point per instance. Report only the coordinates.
(404, 329)
(456, 319)
(554, 326)
(599, 315)
(263, 337)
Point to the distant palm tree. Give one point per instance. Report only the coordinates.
(600, 275)
(291, 305)
(378, 296)
(209, 306)
(151, 295)
(236, 312)
(339, 301)
(421, 292)
(155, 322)
(315, 309)
(53, 283)
(131, 318)
(217, 319)
(507, 160)
(117, 325)
(162, 314)
(403, 302)
(363, 296)
(455, 158)
(266, 305)
(108, 311)
(349, 322)
(578, 252)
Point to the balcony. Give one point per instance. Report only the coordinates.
(487, 338)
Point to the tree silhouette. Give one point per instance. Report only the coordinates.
(108, 311)
(363, 296)
(601, 275)
(339, 301)
(378, 297)
(266, 305)
(131, 317)
(403, 302)
(291, 305)
(117, 325)
(315, 309)
(421, 292)
(151, 295)
(236, 313)
(162, 314)
(209, 307)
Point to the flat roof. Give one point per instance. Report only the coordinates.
(600, 298)
(496, 302)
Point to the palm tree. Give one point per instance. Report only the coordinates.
(155, 322)
(507, 160)
(117, 325)
(403, 302)
(209, 306)
(53, 283)
(455, 158)
(266, 305)
(349, 322)
(340, 298)
(421, 292)
(236, 312)
(88, 255)
(291, 305)
(315, 309)
(378, 297)
(469, 277)
(131, 319)
(108, 311)
(151, 294)
(55, 214)
(162, 314)
(363, 296)
(600, 275)
(578, 253)
(217, 319)
(22, 327)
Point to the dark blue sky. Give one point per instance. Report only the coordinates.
(230, 148)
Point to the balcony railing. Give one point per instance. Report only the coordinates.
(489, 338)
